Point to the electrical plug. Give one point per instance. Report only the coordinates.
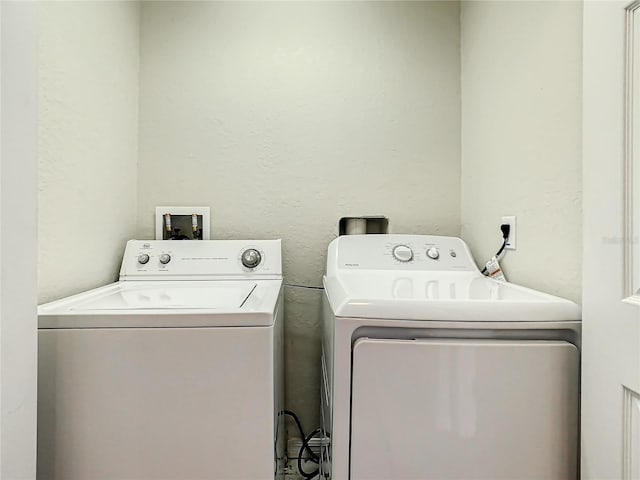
(506, 229)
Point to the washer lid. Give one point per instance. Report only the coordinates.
(182, 295)
(166, 304)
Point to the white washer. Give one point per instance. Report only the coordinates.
(174, 372)
(433, 371)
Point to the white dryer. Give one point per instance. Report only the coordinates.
(174, 372)
(433, 371)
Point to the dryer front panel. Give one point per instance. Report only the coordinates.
(473, 409)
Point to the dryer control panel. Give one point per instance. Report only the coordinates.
(399, 252)
(202, 260)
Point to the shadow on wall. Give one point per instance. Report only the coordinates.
(303, 324)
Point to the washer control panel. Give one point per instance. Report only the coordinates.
(400, 252)
(202, 259)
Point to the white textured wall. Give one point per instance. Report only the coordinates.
(284, 117)
(88, 121)
(521, 138)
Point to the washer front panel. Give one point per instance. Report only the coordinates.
(156, 403)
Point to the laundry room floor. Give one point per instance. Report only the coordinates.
(291, 472)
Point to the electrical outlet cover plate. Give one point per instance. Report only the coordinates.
(511, 241)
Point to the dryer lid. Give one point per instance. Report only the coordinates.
(427, 277)
(446, 297)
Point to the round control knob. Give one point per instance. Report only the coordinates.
(251, 258)
(143, 258)
(165, 258)
(433, 253)
(402, 253)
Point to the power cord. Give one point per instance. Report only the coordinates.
(305, 446)
(310, 287)
(506, 229)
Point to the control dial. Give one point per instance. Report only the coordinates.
(165, 258)
(251, 258)
(143, 258)
(402, 253)
(432, 252)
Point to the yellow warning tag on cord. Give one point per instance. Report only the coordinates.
(494, 271)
